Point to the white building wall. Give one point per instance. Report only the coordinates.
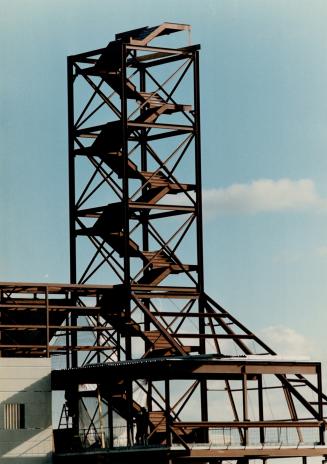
(26, 381)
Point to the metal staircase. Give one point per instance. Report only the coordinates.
(136, 216)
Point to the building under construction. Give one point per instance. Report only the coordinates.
(145, 365)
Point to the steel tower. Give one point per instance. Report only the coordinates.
(135, 325)
(136, 226)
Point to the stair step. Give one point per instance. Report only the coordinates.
(147, 34)
(153, 195)
(155, 337)
(149, 94)
(161, 179)
(156, 182)
(114, 80)
(175, 268)
(164, 346)
(151, 114)
(111, 220)
(116, 240)
(157, 259)
(158, 420)
(154, 277)
(151, 98)
(148, 174)
(136, 34)
(110, 59)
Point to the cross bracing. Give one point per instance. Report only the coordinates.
(135, 324)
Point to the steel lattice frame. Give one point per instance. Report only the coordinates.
(145, 149)
(122, 153)
(136, 229)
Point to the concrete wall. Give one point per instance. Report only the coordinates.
(26, 381)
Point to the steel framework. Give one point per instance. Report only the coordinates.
(149, 335)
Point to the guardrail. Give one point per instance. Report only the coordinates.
(261, 433)
(191, 434)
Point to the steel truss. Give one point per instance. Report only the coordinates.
(136, 227)
(139, 208)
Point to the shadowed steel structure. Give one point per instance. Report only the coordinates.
(137, 328)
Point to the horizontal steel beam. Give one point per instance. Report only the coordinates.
(249, 424)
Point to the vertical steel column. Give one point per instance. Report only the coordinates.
(71, 168)
(124, 122)
(127, 277)
(198, 178)
(98, 338)
(144, 167)
(72, 206)
(199, 224)
(261, 410)
(145, 228)
(320, 406)
(73, 334)
(245, 404)
(167, 412)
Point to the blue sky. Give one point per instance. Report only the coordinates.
(264, 146)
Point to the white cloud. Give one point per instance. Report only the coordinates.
(322, 251)
(292, 344)
(287, 342)
(264, 195)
